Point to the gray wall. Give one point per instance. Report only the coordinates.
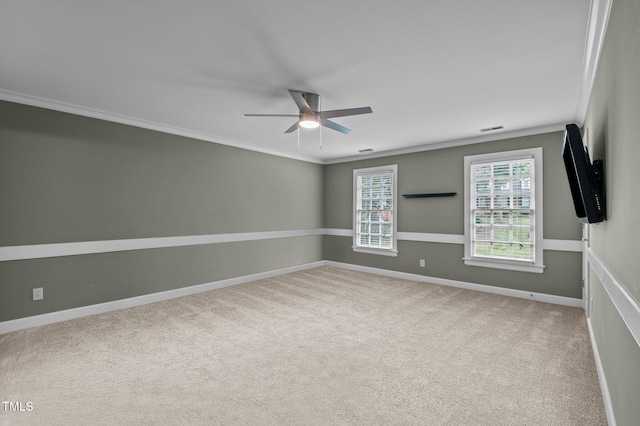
(442, 170)
(66, 178)
(612, 129)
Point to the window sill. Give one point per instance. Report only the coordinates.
(381, 252)
(511, 266)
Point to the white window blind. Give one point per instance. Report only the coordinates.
(503, 200)
(374, 210)
(503, 210)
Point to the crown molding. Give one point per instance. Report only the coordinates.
(596, 30)
(51, 104)
(150, 125)
(454, 143)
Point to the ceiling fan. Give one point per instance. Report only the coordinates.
(310, 115)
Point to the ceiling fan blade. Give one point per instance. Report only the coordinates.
(335, 126)
(301, 102)
(271, 115)
(344, 112)
(292, 128)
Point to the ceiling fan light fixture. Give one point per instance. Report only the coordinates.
(308, 121)
(311, 117)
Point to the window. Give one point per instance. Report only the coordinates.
(503, 210)
(374, 212)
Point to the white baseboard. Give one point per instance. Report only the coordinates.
(68, 314)
(606, 397)
(539, 297)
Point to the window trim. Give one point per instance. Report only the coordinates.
(537, 266)
(393, 251)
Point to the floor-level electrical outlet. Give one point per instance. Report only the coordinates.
(422, 264)
(38, 294)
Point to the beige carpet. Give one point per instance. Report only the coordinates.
(319, 347)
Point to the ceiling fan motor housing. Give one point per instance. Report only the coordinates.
(313, 100)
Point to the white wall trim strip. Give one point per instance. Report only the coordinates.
(339, 232)
(431, 238)
(538, 297)
(606, 396)
(562, 245)
(426, 237)
(68, 314)
(626, 305)
(39, 251)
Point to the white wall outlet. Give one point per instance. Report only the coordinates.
(38, 293)
(422, 264)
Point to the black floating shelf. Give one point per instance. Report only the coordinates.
(433, 194)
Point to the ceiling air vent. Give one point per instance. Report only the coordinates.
(491, 129)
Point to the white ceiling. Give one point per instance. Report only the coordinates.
(433, 71)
